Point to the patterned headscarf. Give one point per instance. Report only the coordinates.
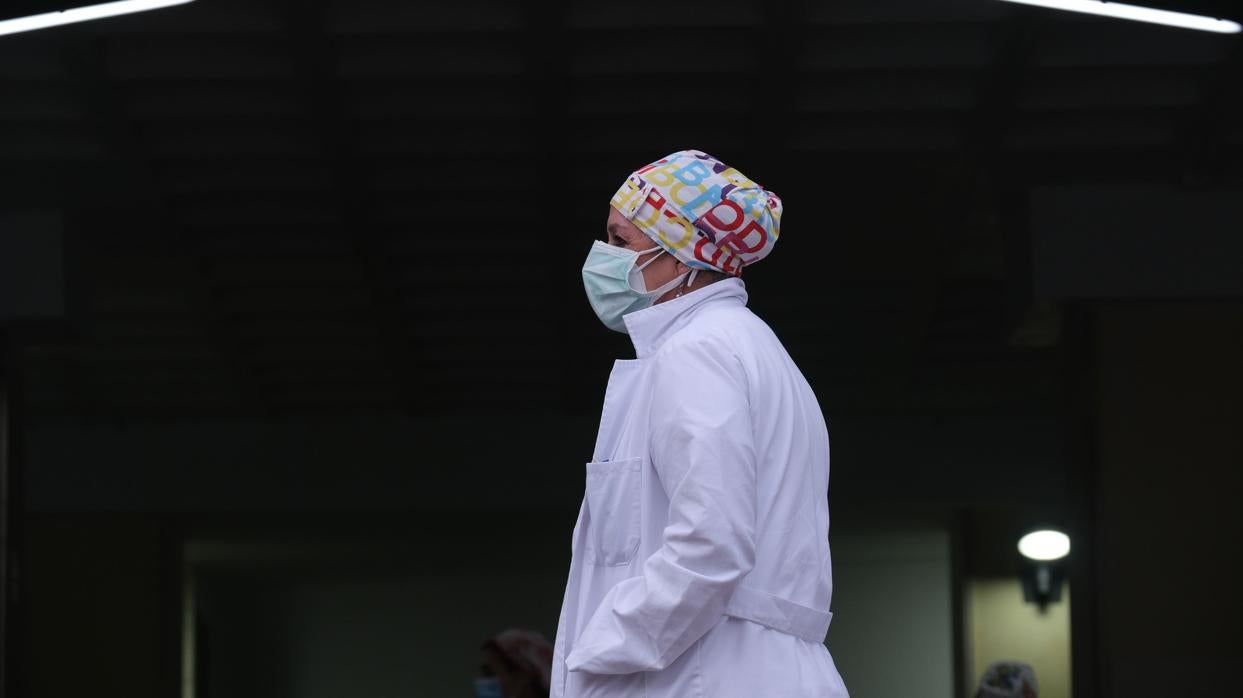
(528, 650)
(703, 212)
(1008, 680)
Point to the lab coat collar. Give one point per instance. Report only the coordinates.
(650, 327)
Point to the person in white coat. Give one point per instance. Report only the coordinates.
(700, 563)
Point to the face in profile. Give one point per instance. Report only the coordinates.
(663, 268)
(512, 681)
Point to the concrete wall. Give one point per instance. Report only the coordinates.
(344, 627)
(892, 633)
(339, 473)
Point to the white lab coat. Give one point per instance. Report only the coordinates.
(700, 560)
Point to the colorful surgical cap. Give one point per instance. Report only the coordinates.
(702, 211)
(1008, 679)
(527, 649)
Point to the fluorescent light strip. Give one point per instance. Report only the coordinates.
(83, 14)
(1139, 14)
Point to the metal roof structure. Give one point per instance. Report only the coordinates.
(289, 207)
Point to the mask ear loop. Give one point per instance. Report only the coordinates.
(690, 279)
(643, 266)
(658, 249)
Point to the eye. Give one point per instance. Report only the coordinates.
(619, 242)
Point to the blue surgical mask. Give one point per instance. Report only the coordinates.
(615, 286)
(488, 687)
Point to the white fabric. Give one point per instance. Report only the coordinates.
(700, 559)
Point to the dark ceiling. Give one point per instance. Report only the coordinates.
(285, 207)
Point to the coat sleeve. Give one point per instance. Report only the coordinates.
(702, 448)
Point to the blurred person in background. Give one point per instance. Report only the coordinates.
(700, 559)
(514, 663)
(1008, 679)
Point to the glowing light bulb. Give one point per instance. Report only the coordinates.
(1045, 545)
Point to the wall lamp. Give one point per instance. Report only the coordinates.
(1043, 572)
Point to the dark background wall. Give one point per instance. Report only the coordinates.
(98, 604)
(400, 463)
(273, 280)
(1170, 470)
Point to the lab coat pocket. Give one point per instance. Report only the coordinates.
(613, 495)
